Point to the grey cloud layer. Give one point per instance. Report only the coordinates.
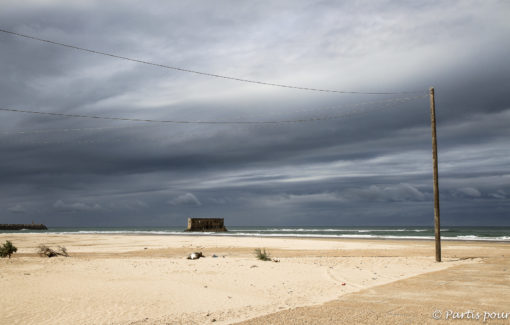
(371, 165)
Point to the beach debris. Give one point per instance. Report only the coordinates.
(275, 259)
(214, 255)
(343, 283)
(195, 256)
(49, 252)
(251, 267)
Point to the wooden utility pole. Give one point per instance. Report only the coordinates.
(437, 229)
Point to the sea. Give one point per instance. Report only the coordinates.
(374, 232)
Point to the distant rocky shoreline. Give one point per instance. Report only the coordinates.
(14, 226)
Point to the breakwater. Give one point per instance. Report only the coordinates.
(15, 226)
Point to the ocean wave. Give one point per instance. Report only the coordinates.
(473, 237)
(125, 232)
(354, 236)
(298, 234)
(467, 237)
(331, 230)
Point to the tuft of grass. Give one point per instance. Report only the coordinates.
(262, 254)
(47, 251)
(7, 249)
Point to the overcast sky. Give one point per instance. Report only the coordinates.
(368, 163)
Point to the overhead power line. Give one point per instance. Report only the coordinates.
(157, 121)
(201, 72)
(46, 131)
(303, 120)
(353, 110)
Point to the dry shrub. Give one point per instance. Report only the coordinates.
(49, 252)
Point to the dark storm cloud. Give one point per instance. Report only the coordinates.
(370, 163)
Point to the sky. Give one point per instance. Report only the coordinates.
(345, 160)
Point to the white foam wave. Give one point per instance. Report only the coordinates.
(331, 230)
(125, 232)
(266, 234)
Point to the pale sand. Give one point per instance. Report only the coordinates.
(113, 279)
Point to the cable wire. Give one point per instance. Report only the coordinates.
(303, 120)
(69, 129)
(201, 72)
(355, 108)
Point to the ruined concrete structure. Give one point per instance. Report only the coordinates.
(206, 224)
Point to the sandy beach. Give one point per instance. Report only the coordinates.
(136, 279)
